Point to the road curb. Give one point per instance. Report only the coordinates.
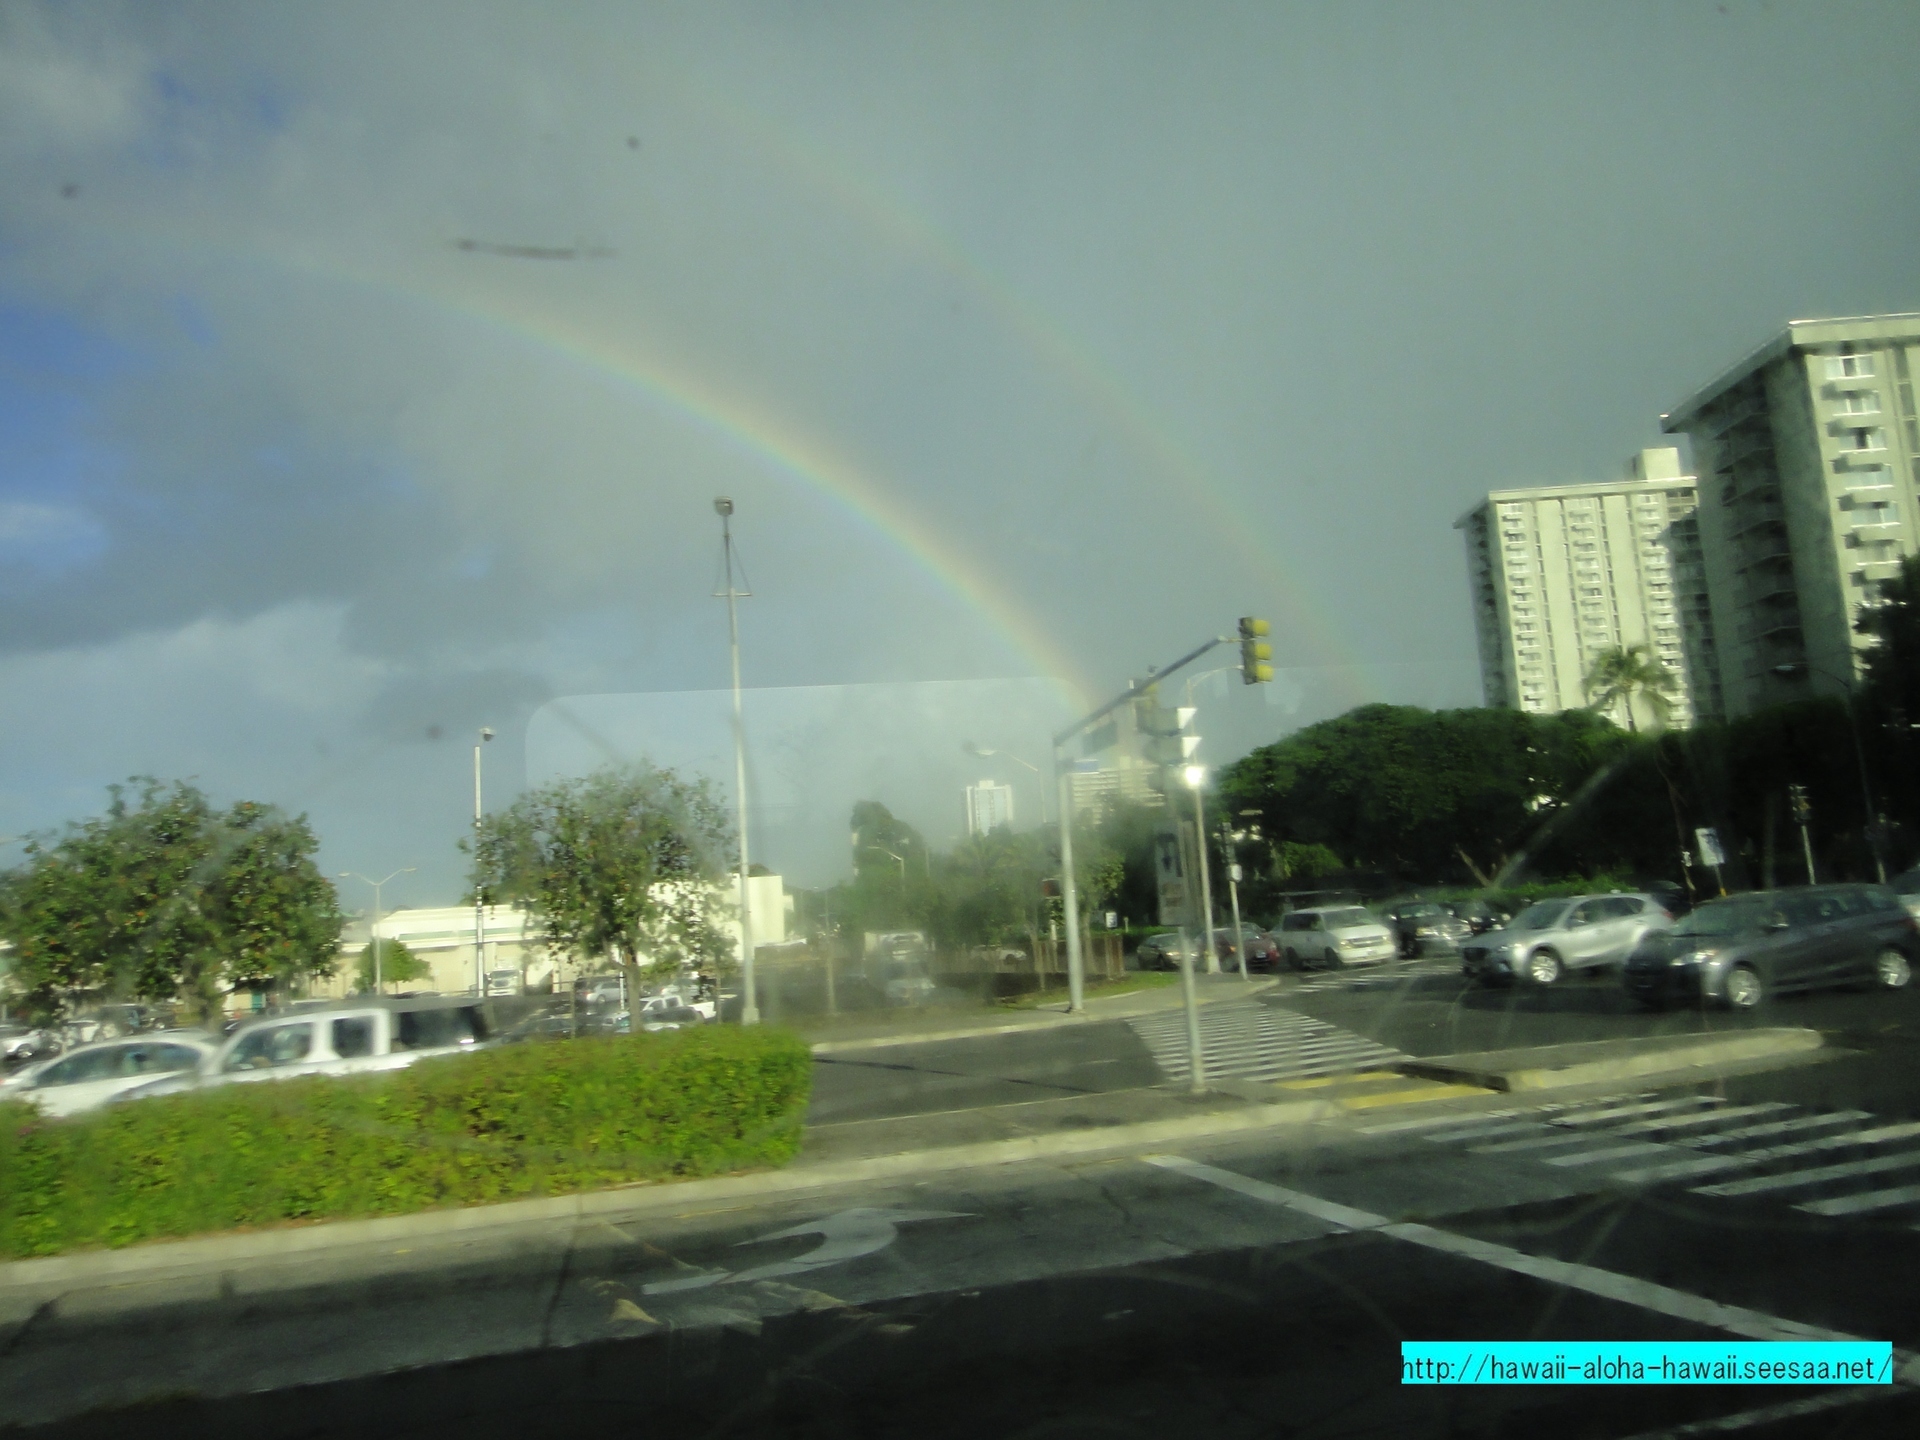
(159, 1258)
(1590, 1062)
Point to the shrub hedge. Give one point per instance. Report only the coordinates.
(505, 1124)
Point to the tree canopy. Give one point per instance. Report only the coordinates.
(628, 864)
(164, 898)
(1419, 792)
(397, 965)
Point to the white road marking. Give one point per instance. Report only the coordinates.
(844, 1236)
(1712, 1164)
(1607, 1284)
(1863, 1203)
(1780, 1127)
(1793, 1179)
(1617, 1152)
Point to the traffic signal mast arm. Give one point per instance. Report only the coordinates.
(1250, 628)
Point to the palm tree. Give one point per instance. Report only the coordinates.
(1622, 672)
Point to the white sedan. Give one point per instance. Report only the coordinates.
(87, 1078)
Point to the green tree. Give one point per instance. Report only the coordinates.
(628, 863)
(1623, 673)
(398, 964)
(163, 898)
(1419, 793)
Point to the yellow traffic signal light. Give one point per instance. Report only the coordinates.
(1254, 651)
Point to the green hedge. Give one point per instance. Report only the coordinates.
(520, 1121)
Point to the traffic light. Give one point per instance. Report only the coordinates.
(1797, 798)
(1254, 651)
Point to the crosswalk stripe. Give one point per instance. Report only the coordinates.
(1860, 1204)
(1259, 1042)
(1424, 1122)
(1779, 1127)
(1746, 1160)
(1650, 1107)
(1536, 1142)
(1618, 1152)
(1794, 1179)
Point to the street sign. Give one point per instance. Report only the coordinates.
(1709, 842)
(1170, 878)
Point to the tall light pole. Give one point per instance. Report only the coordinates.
(373, 925)
(749, 1005)
(479, 900)
(1196, 777)
(1859, 753)
(984, 753)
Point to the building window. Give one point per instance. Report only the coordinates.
(1849, 367)
(1860, 402)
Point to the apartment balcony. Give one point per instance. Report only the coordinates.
(1765, 547)
(1865, 532)
(1745, 443)
(1841, 421)
(1749, 518)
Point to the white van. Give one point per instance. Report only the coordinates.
(348, 1037)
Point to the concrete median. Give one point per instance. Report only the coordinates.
(1597, 1062)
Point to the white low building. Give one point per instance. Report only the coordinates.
(444, 939)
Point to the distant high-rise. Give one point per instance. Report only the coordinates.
(1561, 574)
(1808, 452)
(989, 806)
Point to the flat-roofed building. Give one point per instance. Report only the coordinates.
(1808, 453)
(1560, 574)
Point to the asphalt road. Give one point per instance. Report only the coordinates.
(1215, 1292)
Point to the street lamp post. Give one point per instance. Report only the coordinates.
(1859, 752)
(749, 1004)
(1195, 776)
(984, 753)
(479, 899)
(373, 925)
(1230, 839)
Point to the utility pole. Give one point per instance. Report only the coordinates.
(1802, 813)
(373, 923)
(749, 1004)
(479, 899)
(1229, 845)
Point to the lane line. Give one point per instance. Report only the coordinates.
(1589, 1279)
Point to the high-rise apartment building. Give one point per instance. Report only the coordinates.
(1808, 453)
(989, 806)
(1562, 573)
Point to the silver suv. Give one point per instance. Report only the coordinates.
(1551, 937)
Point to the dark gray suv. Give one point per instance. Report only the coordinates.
(1736, 952)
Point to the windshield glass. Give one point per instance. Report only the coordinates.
(1541, 915)
(1721, 918)
(724, 616)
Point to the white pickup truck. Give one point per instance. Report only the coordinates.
(349, 1037)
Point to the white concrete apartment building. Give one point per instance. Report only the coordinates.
(1561, 573)
(1808, 452)
(989, 806)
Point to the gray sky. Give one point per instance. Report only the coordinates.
(1029, 340)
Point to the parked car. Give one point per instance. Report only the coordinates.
(657, 1018)
(1262, 950)
(1479, 915)
(1427, 927)
(1736, 952)
(503, 982)
(1162, 951)
(1336, 936)
(24, 1044)
(90, 1076)
(366, 1034)
(1550, 938)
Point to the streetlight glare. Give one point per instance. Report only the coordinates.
(1195, 774)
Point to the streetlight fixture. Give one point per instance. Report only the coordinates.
(749, 1004)
(373, 925)
(891, 856)
(479, 905)
(1803, 667)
